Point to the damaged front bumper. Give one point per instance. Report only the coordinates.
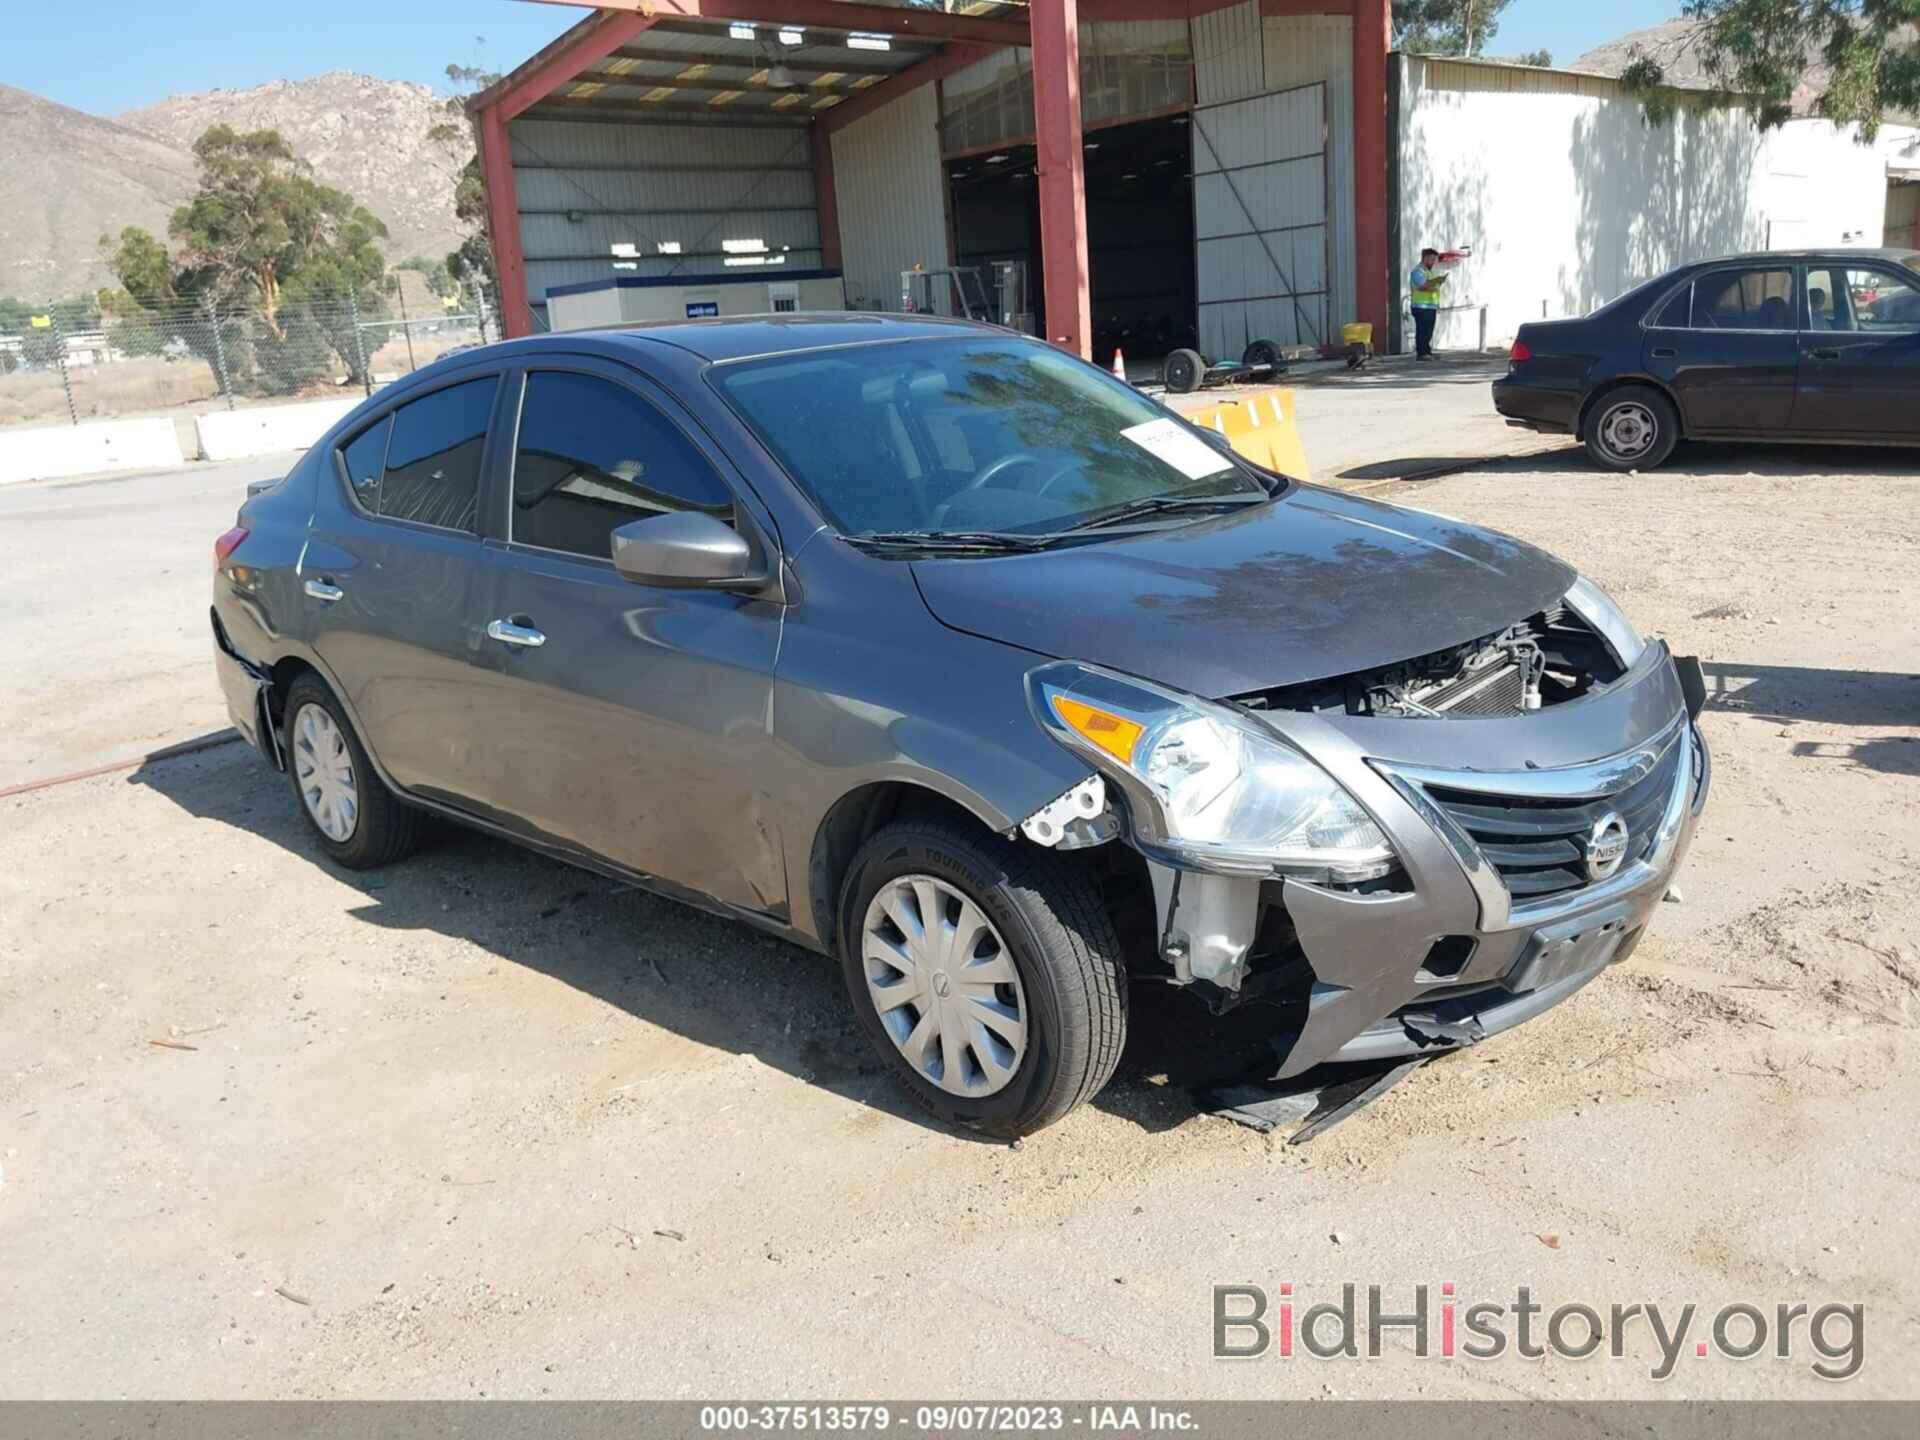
(1499, 914)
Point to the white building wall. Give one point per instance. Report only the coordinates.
(890, 188)
(1569, 198)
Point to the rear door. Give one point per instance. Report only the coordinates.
(627, 721)
(1728, 347)
(388, 581)
(1860, 353)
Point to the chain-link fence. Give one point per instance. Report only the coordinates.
(71, 362)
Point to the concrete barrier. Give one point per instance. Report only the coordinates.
(51, 451)
(267, 429)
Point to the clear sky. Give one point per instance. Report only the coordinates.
(112, 55)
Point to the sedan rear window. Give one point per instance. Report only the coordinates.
(970, 434)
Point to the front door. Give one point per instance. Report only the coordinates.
(626, 721)
(1860, 353)
(388, 583)
(1727, 347)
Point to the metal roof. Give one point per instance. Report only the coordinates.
(727, 70)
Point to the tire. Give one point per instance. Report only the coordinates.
(1183, 371)
(1260, 352)
(1046, 918)
(1632, 428)
(382, 828)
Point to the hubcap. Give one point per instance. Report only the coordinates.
(1629, 430)
(324, 769)
(945, 986)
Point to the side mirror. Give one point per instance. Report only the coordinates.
(683, 547)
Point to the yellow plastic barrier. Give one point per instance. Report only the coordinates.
(1262, 428)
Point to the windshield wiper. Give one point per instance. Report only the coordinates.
(977, 541)
(1163, 505)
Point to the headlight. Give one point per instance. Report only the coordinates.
(1596, 607)
(1208, 784)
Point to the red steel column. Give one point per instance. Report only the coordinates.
(826, 204)
(1372, 25)
(1063, 190)
(503, 223)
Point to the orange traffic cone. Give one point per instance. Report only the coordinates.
(1119, 365)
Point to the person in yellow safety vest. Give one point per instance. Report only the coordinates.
(1426, 282)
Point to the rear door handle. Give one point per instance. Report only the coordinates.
(325, 591)
(1665, 353)
(508, 633)
(1826, 354)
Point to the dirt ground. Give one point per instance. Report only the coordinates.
(483, 1125)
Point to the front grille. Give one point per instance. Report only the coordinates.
(1539, 846)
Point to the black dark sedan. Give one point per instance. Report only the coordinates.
(1799, 346)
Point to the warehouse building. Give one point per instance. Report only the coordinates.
(1163, 173)
(1169, 173)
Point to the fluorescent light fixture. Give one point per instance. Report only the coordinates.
(626, 249)
(626, 264)
(669, 247)
(859, 41)
(789, 36)
(738, 31)
(1091, 145)
(754, 260)
(744, 247)
(996, 159)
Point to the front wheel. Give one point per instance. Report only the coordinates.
(1183, 371)
(987, 975)
(1633, 428)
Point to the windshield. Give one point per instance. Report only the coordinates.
(970, 435)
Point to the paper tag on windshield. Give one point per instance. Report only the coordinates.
(1167, 440)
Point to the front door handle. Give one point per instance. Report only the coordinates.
(1826, 353)
(508, 633)
(1665, 352)
(325, 591)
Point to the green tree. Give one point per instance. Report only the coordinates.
(275, 260)
(1861, 55)
(1446, 27)
(452, 137)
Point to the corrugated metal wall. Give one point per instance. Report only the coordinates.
(891, 192)
(1318, 49)
(1260, 220)
(1569, 197)
(587, 187)
(1229, 54)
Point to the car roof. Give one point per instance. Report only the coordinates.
(1908, 258)
(739, 337)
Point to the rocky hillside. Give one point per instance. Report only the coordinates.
(67, 177)
(1675, 46)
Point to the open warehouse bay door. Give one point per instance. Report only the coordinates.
(1260, 220)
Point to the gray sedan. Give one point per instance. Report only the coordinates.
(938, 651)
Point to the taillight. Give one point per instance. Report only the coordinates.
(227, 544)
(1521, 351)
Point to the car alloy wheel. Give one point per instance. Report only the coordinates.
(324, 769)
(1629, 430)
(944, 985)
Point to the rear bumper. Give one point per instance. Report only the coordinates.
(246, 687)
(1534, 406)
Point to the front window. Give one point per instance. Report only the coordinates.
(968, 435)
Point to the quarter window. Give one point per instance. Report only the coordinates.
(1745, 300)
(365, 457)
(432, 474)
(593, 456)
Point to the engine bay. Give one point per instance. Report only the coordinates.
(1546, 659)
